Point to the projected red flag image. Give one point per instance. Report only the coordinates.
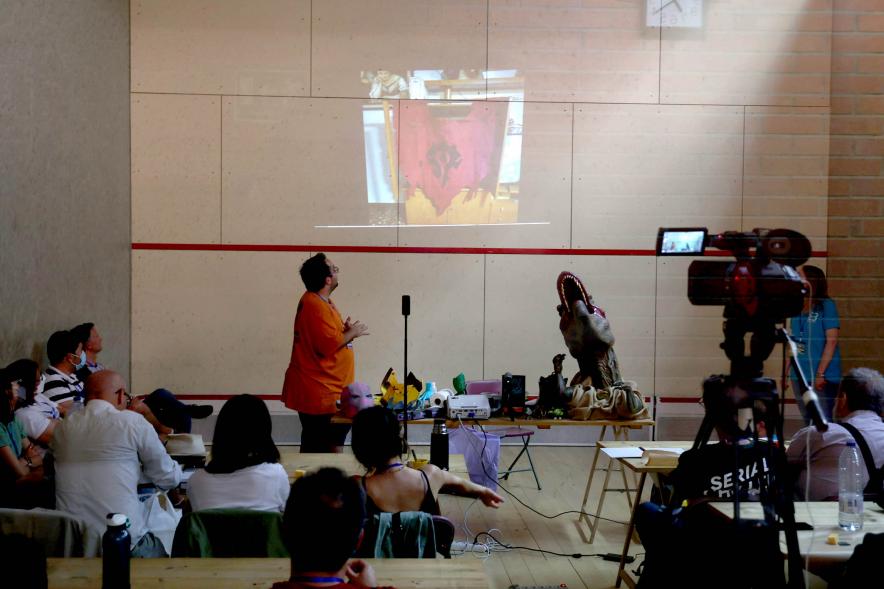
(458, 160)
(449, 149)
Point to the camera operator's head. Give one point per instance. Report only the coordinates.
(730, 411)
(862, 389)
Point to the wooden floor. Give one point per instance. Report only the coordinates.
(563, 472)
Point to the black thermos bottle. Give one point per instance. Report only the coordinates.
(439, 444)
(115, 550)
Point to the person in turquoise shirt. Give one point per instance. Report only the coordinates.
(20, 463)
(815, 331)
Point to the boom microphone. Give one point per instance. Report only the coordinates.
(406, 305)
(806, 395)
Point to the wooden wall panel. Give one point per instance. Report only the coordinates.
(638, 167)
(176, 168)
(751, 52)
(400, 36)
(598, 51)
(221, 47)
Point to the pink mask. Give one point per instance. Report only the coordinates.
(355, 398)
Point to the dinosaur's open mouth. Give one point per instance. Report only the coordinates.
(571, 290)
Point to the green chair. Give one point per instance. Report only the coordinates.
(230, 533)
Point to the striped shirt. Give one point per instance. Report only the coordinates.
(61, 387)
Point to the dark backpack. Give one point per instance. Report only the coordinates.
(874, 490)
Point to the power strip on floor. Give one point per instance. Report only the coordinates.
(461, 546)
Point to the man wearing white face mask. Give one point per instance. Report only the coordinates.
(66, 356)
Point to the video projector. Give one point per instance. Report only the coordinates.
(469, 407)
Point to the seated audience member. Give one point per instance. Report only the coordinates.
(859, 403)
(389, 485)
(21, 470)
(88, 335)
(677, 539)
(101, 455)
(161, 408)
(323, 526)
(707, 473)
(244, 470)
(37, 414)
(66, 356)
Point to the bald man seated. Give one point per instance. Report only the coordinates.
(101, 455)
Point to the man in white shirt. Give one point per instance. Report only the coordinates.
(859, 403)
(102, 453)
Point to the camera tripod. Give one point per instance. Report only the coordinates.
(758, 408)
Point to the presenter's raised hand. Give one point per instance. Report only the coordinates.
(354, 329)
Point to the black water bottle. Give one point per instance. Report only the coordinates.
(439, 444)
(115, 550)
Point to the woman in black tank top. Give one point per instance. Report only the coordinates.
(389, 485)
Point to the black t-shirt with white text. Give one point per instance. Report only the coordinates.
(708, 472)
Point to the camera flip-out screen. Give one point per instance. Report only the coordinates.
(681, 241)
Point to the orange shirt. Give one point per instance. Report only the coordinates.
(320, 367)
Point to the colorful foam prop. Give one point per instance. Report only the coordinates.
(393, 392)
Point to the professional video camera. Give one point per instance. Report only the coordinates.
(759, 290)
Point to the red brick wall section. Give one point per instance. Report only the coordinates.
(856, 179)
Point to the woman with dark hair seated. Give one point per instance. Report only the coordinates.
(243, 471)
(389, 486)
(21, 466)
(37, 414)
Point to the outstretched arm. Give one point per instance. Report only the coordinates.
(446, 481)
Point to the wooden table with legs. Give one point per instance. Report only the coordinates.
(621, 431)
(637, 466)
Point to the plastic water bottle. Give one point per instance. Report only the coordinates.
(116, 545)
(439, 444)
(850, 489)
(77, 405)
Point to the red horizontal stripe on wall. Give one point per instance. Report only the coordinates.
(365, 249)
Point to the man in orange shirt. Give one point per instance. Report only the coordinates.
(322, 363)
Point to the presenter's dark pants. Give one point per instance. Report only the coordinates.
(169, 410)
(319, 434)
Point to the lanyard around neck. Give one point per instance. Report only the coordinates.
(387, 467)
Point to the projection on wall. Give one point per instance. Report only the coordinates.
(458, 157)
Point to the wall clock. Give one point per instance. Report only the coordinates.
(674, 13)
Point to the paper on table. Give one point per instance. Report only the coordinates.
(635, 451)
(627, 452)
(673, 450)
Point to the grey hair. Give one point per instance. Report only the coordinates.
(864, 389)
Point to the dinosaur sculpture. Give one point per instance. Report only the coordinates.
(587, 334)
